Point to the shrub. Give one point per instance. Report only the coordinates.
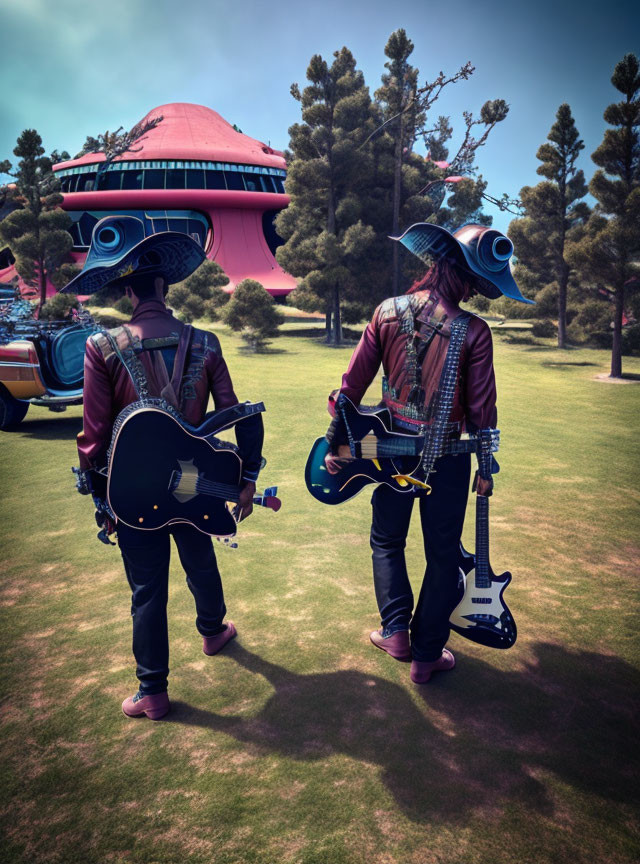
(545, 328)
(124, 305)
(201, 294)
(59, 307)
(631, 339)
(252, 312)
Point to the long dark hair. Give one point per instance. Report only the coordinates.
(450, 281)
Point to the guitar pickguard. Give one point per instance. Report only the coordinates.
(186, 488)
(480, 605)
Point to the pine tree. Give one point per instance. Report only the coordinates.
(328, 178)
(420, 186)
(252, 312)
(37, 233)
(403, 113)
(200, 295)
(553, 214)
(610, 253)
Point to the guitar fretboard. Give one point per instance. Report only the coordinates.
(201, 486)
(483, 578)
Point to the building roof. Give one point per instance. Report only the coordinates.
(192, 132)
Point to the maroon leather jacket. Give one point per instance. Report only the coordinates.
(108, 388)
(387, 340)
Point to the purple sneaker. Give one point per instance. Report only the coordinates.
(154, 705)
(397, 645)
(212, 644)
(421, 671)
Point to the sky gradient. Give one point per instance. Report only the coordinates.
(75, 68)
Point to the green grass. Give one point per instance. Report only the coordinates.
(301, 742)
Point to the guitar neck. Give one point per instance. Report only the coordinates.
(482, 572)
(188, 485)
(407, 445)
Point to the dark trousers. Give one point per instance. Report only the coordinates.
(442, 517)
(146, 562)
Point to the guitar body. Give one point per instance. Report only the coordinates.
(360, 472)
(156, 462)
(354, 476)
(482, 615)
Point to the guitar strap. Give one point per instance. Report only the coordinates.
(128, 349)
(436, 433)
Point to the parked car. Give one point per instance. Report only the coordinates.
(41, 363)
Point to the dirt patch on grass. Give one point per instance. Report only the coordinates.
(626, 379)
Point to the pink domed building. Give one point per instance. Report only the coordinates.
(196, 173)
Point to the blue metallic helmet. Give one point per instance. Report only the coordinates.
(482, 250)
(120, 248)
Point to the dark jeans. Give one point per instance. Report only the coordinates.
(442, 517)
(146, 563)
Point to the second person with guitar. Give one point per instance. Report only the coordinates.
(430, 391)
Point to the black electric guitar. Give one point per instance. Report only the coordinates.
(482, 615)
(376, 454)
(163, 471)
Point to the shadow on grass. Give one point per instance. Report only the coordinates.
(247, 351)
(53, 428)
(568, 363)
(349, 336)
(495, 736)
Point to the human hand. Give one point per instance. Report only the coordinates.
(244, 506)
(484, 487)
(336, 461)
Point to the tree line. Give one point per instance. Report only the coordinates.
(355, 178)
(581, 263)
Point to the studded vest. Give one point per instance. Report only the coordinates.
(421, 327)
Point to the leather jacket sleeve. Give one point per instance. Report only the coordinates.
(250, 431)
(93, 442)
(480, 382)
(363, 367)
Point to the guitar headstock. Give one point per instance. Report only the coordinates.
(268, 499)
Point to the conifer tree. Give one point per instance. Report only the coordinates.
(324, 226)
(37, 233)
(252, 313)
(200, 295)
(610, 253)
(553, 212)
(418, 187)
(403, 113)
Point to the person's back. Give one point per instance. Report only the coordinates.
(156, 356)
(410, 337)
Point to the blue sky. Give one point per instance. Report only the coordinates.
(74, 68)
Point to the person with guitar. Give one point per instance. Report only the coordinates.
(156, 356)
(438, 382)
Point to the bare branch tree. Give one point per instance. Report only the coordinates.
(425, 97)
(114, 144)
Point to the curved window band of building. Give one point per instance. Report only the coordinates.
(185, 221)
(171, 174)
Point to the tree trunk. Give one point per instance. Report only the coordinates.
(42, 278)
(562, 305)
(616, 351)
(397, 194)
(337, 320)
(327, 326)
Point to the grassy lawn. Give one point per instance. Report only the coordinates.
(302, 743)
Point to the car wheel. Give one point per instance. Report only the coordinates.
(12, 411)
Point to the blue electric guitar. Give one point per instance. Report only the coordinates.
(375, 454)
